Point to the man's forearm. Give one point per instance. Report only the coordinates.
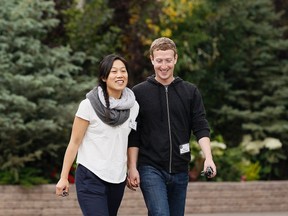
(132, 157)
(204, 143)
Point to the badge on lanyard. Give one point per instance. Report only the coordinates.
(184, 148)
(133, 124)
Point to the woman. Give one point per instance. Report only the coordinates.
(99, 137)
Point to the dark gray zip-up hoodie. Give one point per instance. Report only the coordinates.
(167, 116)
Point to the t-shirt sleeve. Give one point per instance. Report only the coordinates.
(84, 110)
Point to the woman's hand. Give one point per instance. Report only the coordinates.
(133, 179)
(62, 187)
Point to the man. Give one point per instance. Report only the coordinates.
(159, 151)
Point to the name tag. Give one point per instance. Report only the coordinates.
(184, 148)
(133, 124)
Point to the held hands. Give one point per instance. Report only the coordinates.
(133, 179)
(62, 187)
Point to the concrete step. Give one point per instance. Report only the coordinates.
(202, 198)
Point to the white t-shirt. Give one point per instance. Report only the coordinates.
(104, 148)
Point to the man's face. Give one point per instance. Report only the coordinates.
(164, 63)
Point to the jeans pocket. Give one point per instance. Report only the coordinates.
(81, 172)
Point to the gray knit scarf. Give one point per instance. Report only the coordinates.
(119, 109)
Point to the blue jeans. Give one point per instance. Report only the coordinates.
(95, 196)
(164, 193)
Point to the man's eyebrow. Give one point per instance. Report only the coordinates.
(164, 58)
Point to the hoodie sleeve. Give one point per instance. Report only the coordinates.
(200, 126)
(134, 136)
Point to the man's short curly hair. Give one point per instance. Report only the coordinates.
(163, 43)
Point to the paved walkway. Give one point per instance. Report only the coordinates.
(244, 214)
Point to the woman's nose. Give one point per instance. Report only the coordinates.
(119, 74)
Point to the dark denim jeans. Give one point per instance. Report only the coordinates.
(164, 193)
(95, 196)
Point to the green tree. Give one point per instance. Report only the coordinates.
(88, 27)
(99, 27)
(249, 46)
(39, 92)
(253, 78)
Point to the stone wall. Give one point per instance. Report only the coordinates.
(202, 197)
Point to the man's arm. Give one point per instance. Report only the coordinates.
(204, 143)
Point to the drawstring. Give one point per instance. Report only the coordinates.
(161, 104)
(152, 80)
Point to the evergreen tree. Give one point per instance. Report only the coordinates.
(250, 45)
(88, 27)
(39, 92)
(250, 77)
(99, 27)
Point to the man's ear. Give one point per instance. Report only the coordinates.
(176, 58)
(152, 59)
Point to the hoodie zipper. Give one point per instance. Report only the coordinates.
(169, 126)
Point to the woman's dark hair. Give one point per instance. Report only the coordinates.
(104, 71)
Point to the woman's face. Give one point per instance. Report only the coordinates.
(117, 79)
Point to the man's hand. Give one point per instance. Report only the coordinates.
(210, 164)
(133, 179)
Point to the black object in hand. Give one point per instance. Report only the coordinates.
(208, 172)
(64, 193)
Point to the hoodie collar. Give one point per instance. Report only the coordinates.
(152, 79)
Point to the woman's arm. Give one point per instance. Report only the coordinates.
(133, 179)
(78, 131)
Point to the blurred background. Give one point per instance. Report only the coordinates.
(235, 51)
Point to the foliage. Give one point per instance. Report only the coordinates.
(245, 82)
(57, 36)
(39, 91)
(234, 50)
(267, 153)
(227, 161)
(27, 177)
(250, 72)
(99, 27)
(231, 49)
(137, 36)
(250, 160)
(184, 21)
(89, 30)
